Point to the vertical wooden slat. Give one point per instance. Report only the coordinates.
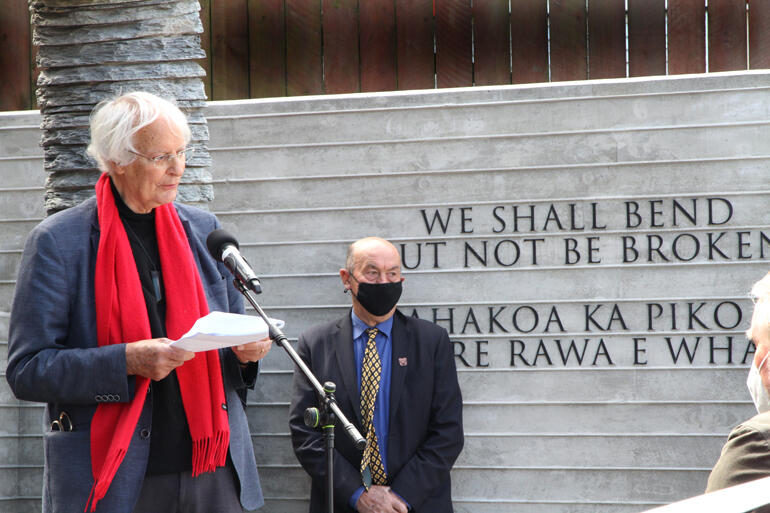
(646, 37)
(205, 14)
(606, 38)
(414, 33)
(267, 48)
(727, 35)
(529, 41)
(377, 29)
(454, 35)
(229, 50)
(340, 46)
(568, 40)
(15, 68)
(686, 36)
(304, 73)
(759, 34)
(491, 47)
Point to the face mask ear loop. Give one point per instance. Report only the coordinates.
(763, 361)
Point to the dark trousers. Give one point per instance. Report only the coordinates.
(212, 492)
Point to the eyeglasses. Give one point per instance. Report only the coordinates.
(166, 158)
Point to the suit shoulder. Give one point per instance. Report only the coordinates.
(759, 424)
(197, 216)
(66, 227)
(421, 325)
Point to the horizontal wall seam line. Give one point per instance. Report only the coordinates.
(625, 368)
(500, 202)
(630, 163)
(487, 137)
(285, 404)
(721, 436)
(477, 104)
(432, 172)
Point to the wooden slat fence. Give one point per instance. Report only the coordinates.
(267, 48)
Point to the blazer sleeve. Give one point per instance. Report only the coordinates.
(428, 468)
(309, 445)
(745, 457)
(52, 355)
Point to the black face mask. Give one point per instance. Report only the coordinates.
(378, 298)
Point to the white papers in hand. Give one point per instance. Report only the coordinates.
(220, 329)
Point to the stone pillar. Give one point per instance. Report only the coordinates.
(89, 50)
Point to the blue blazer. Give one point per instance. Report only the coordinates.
(54, 358)
(425, 423)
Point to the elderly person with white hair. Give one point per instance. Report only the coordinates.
(746, 454)
(132, 424)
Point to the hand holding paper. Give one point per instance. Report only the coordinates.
(219, 329)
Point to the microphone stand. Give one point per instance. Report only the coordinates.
(329, 407)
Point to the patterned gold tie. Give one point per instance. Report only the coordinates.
(372, 471)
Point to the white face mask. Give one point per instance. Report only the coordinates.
(757, 389)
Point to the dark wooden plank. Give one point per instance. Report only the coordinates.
(15, 68)
(568, 40)
(646, 37)
(727, 35)
(304, 72)
(205, 14)
(377, 29)
(606, 39)
(454, 35)
(686, 36)
(229, 50)
(414, 43)
(267, 48)
(529, 41)
(340, 46)
(491, 43)
(759, 34)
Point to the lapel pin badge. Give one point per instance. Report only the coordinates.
(402, 361)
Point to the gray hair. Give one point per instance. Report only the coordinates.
(114, 122)
(760, 293)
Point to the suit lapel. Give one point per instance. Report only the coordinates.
(401, 342)
(342, 344)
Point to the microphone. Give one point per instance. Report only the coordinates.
(224, 247)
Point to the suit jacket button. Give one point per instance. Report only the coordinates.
(144, 433)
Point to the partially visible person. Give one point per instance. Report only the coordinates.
(396, 382)
(131, 423)
(746, 454)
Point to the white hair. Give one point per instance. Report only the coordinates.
(114, 122)
(760, 294)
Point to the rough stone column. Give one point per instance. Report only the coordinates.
(89, 50)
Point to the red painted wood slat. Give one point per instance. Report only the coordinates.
(646, 37)
(686, 36)
(454, 34)
(606, 38)
(568, 40)
(15, 86)
(727, 35)
(529, 41)
(414, 32)
(377, 26)
(304, 72)
(759, 34)
(230, 50)
(492, 62)
(340, 46)
(267, 48)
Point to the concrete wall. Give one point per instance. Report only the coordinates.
(625, 219)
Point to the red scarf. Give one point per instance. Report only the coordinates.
(121, 316)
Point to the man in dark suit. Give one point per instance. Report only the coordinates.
(396, 382)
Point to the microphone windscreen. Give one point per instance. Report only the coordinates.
(216, 242)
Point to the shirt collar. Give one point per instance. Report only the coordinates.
(359, 326)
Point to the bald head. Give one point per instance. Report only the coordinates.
(366, 247)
